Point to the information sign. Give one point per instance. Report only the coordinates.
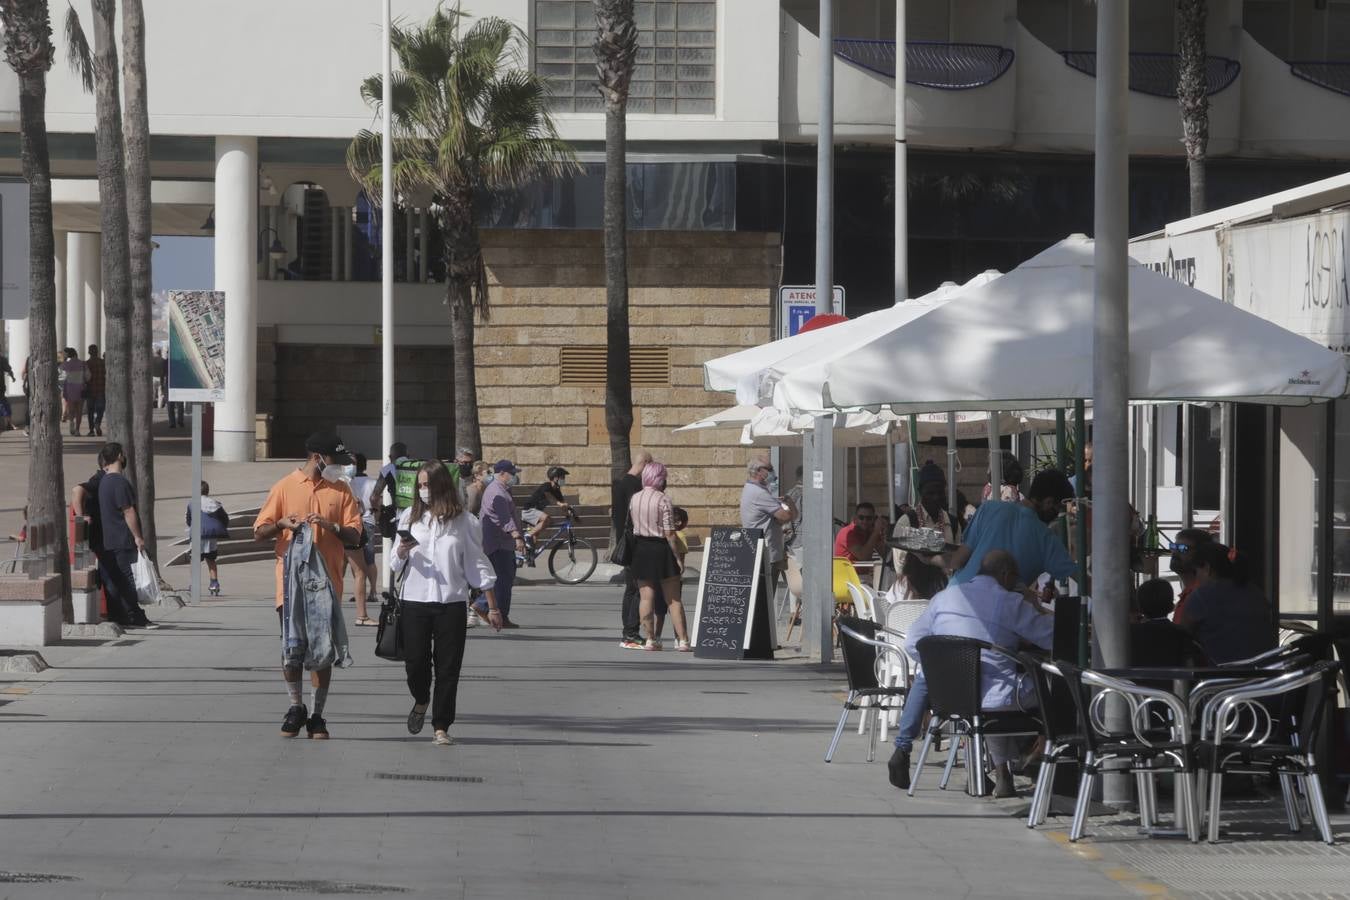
(733, 618)
(797, 304)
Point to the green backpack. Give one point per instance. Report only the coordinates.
(405, 481)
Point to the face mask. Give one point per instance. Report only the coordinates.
(514, 480)
(562, 481)
(425, 494)
(465, 470)
(348, 472)
(332, 473)
(772, 484)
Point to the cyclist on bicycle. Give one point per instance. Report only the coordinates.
(546, 494)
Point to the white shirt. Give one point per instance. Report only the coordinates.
(447, 561)
(361, 486)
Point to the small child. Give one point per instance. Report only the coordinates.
(681, 551)
(1153, 599)
(215, 525)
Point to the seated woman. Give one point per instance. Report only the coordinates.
(1227, 614)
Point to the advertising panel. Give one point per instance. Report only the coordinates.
(196, 346)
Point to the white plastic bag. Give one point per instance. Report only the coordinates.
(147, 583)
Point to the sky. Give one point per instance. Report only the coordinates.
(183, 264)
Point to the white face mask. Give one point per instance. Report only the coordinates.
(333, 472)
(562, 481)
(425, 494)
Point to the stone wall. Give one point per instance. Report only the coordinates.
(701, 294)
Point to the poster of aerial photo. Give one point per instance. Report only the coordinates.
(196, 346)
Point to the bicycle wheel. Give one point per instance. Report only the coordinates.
(573, 561)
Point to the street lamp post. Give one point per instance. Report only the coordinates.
(387, 249)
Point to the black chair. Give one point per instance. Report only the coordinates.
(858, 638)
(1158, 741)
(1064, 743)
(952, 668)
(1270, 727)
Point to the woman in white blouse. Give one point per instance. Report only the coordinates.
(443, 559)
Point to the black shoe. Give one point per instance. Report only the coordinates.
(416, 720)
(898, 769)
(295, 718)
(317, 728)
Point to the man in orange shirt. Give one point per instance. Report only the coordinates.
(313, 495)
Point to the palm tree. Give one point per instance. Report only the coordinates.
(29, 52)
(138, 221)
(1193, 94)
(99, 74)
(616, 46)
(469, 118)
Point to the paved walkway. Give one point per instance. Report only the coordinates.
(151, 766)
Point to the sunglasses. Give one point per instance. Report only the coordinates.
(866, 518)
(1178, 548)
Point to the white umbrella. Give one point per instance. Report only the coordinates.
(795, 382)
(1025, 340)
(732, 417)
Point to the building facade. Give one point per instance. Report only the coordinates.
(250, 140)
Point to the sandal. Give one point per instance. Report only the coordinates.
(365, 620)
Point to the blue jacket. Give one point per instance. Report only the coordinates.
(313, 634)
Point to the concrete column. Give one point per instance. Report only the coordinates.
(93, 295)
(346, 225)
(236, 274)
(19, 348)
(84, 289)
(59, 238)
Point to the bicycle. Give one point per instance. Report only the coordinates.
(571, 559)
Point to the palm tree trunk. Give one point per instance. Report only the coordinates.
(618, 378)
(138, 221)
(116, 259)
(46, 478)
(466, 293)
(1193, 95)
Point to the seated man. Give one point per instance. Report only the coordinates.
(988, 608)
(549, 492)
(861, 538)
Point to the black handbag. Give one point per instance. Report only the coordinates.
(389, 634)
(622, 554)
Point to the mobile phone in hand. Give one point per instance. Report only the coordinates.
(407, 537)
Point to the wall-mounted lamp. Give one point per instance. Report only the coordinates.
(276, 250)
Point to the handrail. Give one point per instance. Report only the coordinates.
(1157, 74)
(942, 65)
(1333, 76)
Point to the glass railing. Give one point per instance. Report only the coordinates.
(1158, 73)
(946, 66)
(1334, 76)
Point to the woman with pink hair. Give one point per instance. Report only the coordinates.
(655, 558)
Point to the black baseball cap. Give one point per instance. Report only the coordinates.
(328, 445)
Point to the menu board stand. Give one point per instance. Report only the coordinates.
(733, 617)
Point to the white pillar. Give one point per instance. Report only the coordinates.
(236, 274)
(93, 294)
(19, 348)
(61, 259)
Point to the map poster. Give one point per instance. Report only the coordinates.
(196, 346)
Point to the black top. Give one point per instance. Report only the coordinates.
(621, 493)
(1160, 642)
(91, 509)
(115, 494)
(546, 493)
(1229, 621)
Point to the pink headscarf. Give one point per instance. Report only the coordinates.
(653, 475)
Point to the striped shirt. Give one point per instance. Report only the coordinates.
(653, 513)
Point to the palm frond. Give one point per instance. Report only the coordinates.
(77, 49)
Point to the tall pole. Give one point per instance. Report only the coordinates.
(951, 466)
(825, 164)
(901, 165)
(1111, 357)
(195, 556)
(387, 252)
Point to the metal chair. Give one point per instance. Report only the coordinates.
(1270, 727)
(1159, 730)
(1064, 743)
(860, 649)
(952, 667)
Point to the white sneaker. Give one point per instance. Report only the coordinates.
(474, 621)
(442, 739)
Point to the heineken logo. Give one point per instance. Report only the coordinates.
(1305, 377)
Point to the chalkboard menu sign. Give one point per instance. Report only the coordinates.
(733, 619)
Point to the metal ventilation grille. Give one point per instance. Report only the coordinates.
(649, 366)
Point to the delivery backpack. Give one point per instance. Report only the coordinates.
(405, 481)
